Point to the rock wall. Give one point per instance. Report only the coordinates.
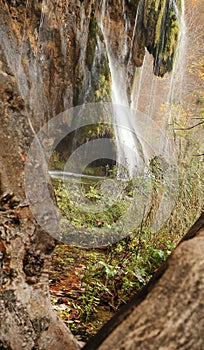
(57, 53)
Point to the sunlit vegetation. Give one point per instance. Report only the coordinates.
(89, 285)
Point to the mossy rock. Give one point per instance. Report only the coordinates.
(162, 25)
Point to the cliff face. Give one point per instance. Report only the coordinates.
(57, 52)
(43, 42)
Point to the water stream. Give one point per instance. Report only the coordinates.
(151, 95)
(129, 148)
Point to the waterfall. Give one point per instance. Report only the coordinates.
(176, 89)
(149, 94)
(128, 146)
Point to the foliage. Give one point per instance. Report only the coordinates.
(190, 174)
(88, 286)
(77, 215)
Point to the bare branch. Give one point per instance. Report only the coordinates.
(190, 127)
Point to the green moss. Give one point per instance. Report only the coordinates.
(104, 88)
(172, 36)
(161, 22)
(97, 64)
(179, 5)
(92, 41)
(156, 5)
(149, 14)
(160, 16)
(94, 131)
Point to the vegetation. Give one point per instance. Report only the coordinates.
(88, 286)
(163, 34)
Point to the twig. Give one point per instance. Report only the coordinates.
(190, 127)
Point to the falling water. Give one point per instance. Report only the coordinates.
(176, 89)
(137, 84)
(129, 149)
(149, 93)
